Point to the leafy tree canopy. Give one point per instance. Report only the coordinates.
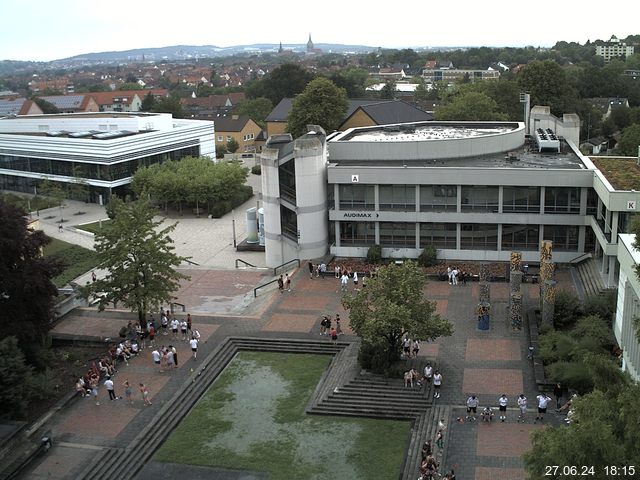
(256, 109)
(138, 254)
(15, 379)
(321, 103)
(26, 289)
(548, 84)
(630, 141)
(285, 81)
(470, 106)
(392, 305)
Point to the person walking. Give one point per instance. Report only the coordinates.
(108, 383)
(338, 325)
(194, 347)
(281, 284)
(144, 391)
(503, 401)
(472, 407)
(155, 355)
(323, 269)
(323, 325)
(437, 383)
(189, 325)
(355, 281)
(416, 348)
(310, 270)
(287, 282)
(428, 372)
(94, 389)
(334, 335)
(522, 405)
(440, 439)
(543, 401)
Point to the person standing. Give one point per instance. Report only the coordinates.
(355, 280)
(287, 282)
(94, 388)
(183, 329)
(144, 391)
(439, 439)
(344, 282)
(416, 348)
(338, 325)
(437, 383)
(155, 355)
(428, 372)
(194, 347)
(108, 383)
(543, 401)
(281, 284)
(175, 355)
(94, 277)
(127, 391)
(472, 407)
(557, 392)
(522, 405)
(310, 270)
(323, 269)
(189, 325)
(175, 325)
(152, 334)
(503, 401)
(406, 346)
(334, 335)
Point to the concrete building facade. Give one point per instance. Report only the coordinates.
(628, 307)
(102, 150)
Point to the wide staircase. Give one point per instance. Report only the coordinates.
(590, 278)
(369, 395)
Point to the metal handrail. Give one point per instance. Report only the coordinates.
(255, 290)
(246, 263)
(275, 270)
(192, 263)
(184, 308)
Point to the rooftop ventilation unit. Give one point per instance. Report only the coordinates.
(547, 140)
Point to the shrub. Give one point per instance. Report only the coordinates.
(428, 257)
(373, 357)
(567, 310)
(573, 375)
(603, 305)
(556, 346)
(256, 170)
(374, 254)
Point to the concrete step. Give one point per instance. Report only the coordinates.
(360, 412)
(390, 391)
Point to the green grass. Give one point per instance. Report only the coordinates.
(92, 227)
(252, 418)
(76, 260)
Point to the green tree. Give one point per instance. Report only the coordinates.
(604, 432)
(388, 91)
(256, 109)
(470, 106)
(285, 81)
(26, 288)
(630, 141)
(321, 103)
(232, 145)
(138, 254)
(353, 80)
(170, 105)
(221, 150)
(393, 305)
(148, 103)
(15, 380)
(548, 84)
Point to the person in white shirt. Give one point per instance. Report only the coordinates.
(543, 400)
(194, 347)
(428, 373)
(472, 407)
(437, 383)
(175, 324)
(156, 358)
(355, 280)
(195, 334)
(522, 405)
(183, 329)
(108, 383)
(344, 282)
(503, 401)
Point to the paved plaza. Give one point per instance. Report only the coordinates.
(222, 302)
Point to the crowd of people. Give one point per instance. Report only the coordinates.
(134, 339)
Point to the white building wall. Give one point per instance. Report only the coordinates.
(273, 242)
(311, 197)
(628, 305)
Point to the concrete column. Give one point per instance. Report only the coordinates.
(376, 197)
(614, 227)
(337, 230)
(611, 278)
(417, 235)
(542, 194)
(584, 192)
(459, 199)
(516, 261)
(336, 196)
(582, 237)
(500, 198)
(499, 245)
(377, 232)
(458, 233)
(417, 188)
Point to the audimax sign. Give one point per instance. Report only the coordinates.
(359, 215)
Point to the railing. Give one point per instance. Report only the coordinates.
(246, 263)
(275, 270)
(192, 263)
(255, 290)
(580, 258)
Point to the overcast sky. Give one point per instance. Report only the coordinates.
(49, 30)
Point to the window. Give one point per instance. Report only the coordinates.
(479, 198)
(289, 223)
(562, 200)
(564, 237)
(357, 197)
(398, 197)
(440, 235)
(361, 234)
(478, 236)
(521, 199)
(287, 174)
(398, 235)
(438, 198)
(220, 138)
(520, 237)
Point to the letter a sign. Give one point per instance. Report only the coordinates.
(355, 178)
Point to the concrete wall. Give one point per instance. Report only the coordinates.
(628, 306)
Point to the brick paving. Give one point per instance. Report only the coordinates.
(487, 363)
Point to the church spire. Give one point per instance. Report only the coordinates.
(310, 44)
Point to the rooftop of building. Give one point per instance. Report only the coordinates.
(623, 173)
(426, 132)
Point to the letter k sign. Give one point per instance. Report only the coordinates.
(355, 178)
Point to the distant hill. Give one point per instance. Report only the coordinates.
(177, 52)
